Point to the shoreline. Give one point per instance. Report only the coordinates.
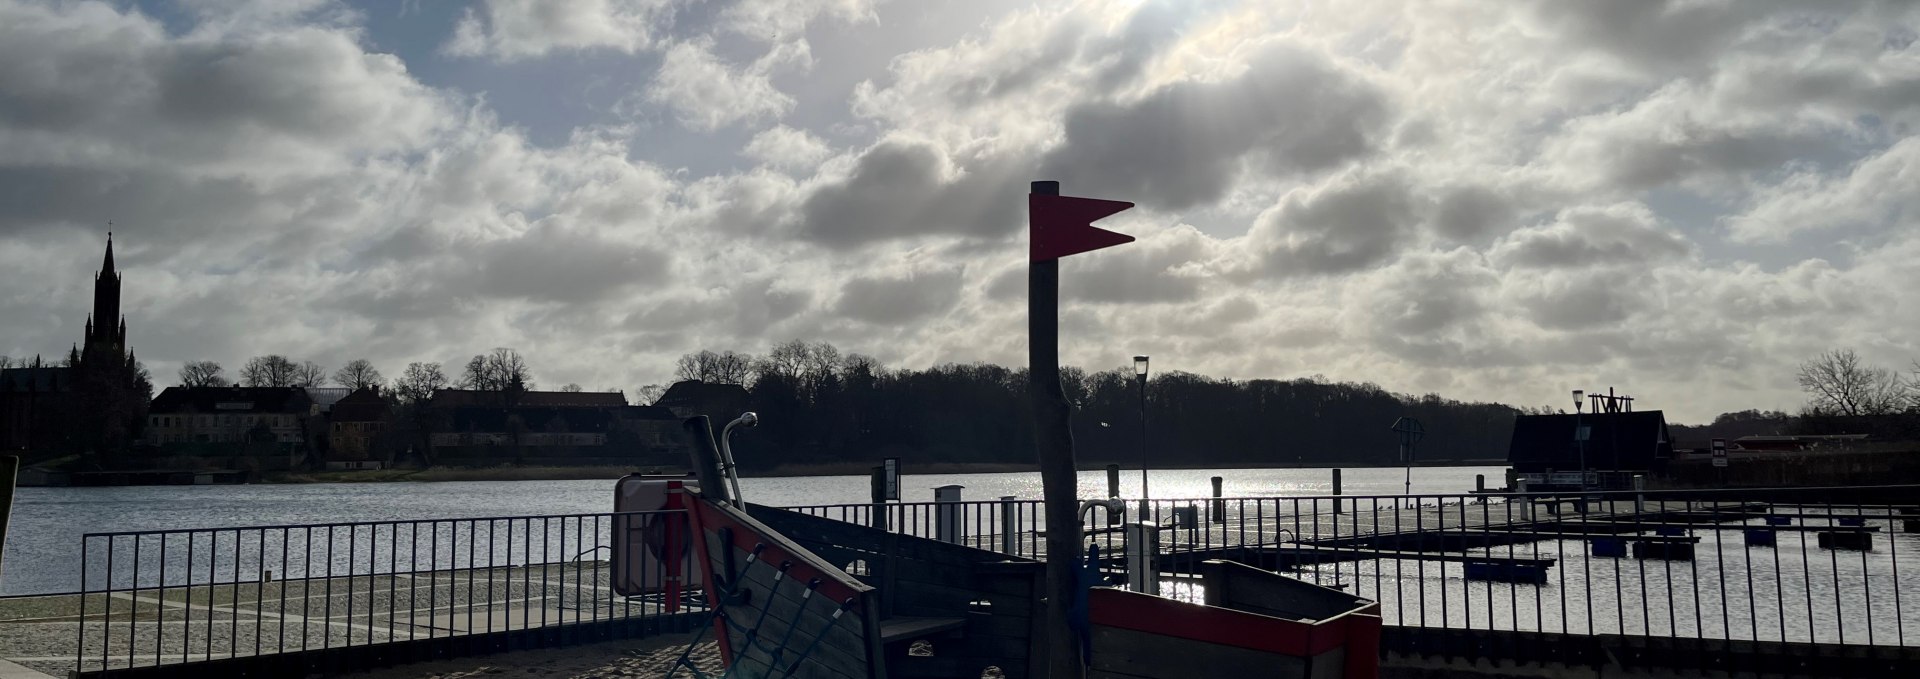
(610, 472)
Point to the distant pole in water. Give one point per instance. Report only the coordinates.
(1058, 226)
(1336, 490)
(1113, 480)
(1410, 433)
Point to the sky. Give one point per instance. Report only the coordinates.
(1495, 201)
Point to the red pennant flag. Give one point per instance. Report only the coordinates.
(1063, 225)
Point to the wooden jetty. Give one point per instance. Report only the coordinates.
(1617, 527)
(1287, 557)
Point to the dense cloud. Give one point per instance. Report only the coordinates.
(1290, 112)
(900, 299)
(1583, 237)
(902, 189)
(1491, 200)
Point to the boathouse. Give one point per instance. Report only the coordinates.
(1618, 444)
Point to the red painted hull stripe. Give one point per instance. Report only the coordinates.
(1166, 617)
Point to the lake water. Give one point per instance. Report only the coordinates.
(43, 545)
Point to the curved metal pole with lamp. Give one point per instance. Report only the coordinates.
(732, 471)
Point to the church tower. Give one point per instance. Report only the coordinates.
(106, 340)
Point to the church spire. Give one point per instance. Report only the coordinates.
(106, 328)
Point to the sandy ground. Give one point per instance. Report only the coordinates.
(650, 658)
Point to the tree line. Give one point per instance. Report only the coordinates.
(819, 405)
(501, 370)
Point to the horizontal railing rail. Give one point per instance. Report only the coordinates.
(153, 599)
(1800, 565)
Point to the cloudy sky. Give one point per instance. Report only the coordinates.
(1489, 200)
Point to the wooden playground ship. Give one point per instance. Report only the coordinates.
(801, 596)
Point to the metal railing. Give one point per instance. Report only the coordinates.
(1792, 565)
(154, 599)
(1831, 566)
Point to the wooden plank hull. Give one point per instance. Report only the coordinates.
(1256, 624)
(783, 611)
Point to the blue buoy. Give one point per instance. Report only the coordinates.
(1506, 572)
(1669, 551)
(1615, 547)
(1779, 520)
(1760, 537)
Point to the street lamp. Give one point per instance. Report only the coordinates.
(1140, 372)
(1580, 434)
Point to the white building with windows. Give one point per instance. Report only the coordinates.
(203, 417)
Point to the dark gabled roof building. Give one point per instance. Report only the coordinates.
(279, 400)
(1622, 441)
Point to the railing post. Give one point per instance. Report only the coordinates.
(1218, 511)
(948, 526)
(9, 474)
(1526, 502)
(1009, 526)
(1143, 557)
(877, 517)
(1336, 490)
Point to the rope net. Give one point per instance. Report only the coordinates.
(775, 653)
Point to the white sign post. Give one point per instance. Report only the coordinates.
(1719, 452)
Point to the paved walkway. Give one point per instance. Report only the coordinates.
(59, 633)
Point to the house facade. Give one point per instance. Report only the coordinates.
(229, 420)
(357, 427)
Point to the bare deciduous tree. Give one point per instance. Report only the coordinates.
(787, 359)
(202, 374)
(724, 367)
(358, 374)
(418, 383)
(571, 388)
(649, 395)
(503, 370)
(272, 370)
(1838, 383)
(309, 374)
